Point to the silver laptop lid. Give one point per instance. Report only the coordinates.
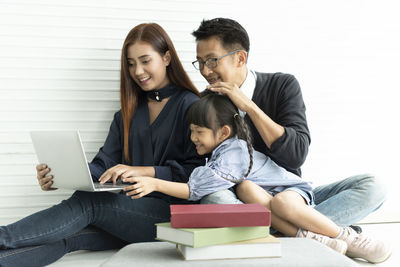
(63, 152)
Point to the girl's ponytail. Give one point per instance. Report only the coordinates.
(243, 132)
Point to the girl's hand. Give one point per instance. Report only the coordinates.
(140, 187)
(45, 182)
(124, 171)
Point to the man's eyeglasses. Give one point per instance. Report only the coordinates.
(211, 62)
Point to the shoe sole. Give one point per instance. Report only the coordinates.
(379, 260)
(384, 258)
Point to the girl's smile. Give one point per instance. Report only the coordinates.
(205, 139)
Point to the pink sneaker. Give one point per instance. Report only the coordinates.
(362, 246)
(335, 244)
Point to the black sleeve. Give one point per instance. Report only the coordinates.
(110, 154)
(279, 96)
(291, 149)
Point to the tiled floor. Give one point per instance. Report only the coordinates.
(388, 232)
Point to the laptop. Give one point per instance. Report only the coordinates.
(63, 152)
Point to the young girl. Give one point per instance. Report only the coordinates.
(148, 136)
(217, 128)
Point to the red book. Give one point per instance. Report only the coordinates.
(219, 215)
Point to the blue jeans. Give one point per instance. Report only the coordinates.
(89, 221)
(345, 202)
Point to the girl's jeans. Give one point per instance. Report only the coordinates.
(345, 202)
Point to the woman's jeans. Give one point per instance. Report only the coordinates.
(114, 220)
(345, 202)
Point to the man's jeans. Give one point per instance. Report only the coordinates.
(345, 202)
(114, 220)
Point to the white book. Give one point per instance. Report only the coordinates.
(255, 248)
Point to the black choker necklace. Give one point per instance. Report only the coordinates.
(159, 95)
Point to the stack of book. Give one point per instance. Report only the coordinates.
(220, 231)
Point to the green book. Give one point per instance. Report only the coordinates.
(201, 237)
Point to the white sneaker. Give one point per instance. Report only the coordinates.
(365, 247)
(335, 244)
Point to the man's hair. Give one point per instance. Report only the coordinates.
(231, 33)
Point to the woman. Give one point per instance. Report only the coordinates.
(149, 136)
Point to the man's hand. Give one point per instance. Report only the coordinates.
(269, 130)
(237, 96)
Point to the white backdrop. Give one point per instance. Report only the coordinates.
(59, 69)
(346, 56)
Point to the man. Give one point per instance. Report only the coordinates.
(274, 108)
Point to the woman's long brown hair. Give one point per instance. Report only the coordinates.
(156, 36)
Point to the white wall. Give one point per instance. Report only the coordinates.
(59, 66)
(346, 56)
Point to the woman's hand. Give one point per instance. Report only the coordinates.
(125, 171)
(140, 187)
(45, 182)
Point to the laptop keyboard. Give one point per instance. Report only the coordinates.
(98, 185)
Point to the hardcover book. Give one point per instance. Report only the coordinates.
(201, 237)
(219, 215)
(255, 248)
